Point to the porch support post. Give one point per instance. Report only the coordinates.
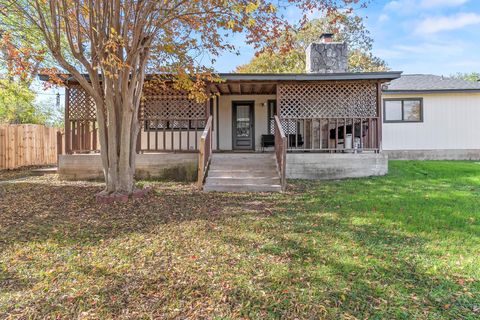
(277, 97)
(138, 147)
(207, 103)
(68, 148)
(379, 116)
(217, 117)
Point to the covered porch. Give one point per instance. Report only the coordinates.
(310, 113)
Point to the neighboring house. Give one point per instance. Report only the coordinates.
(431, 117)
(323, 124)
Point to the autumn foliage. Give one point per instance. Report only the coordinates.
(116, 43)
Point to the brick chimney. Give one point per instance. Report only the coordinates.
(327, 56)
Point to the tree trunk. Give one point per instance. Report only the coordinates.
(118, 136)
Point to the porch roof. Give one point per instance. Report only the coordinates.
(266, 83)
(390, 75)
(278, 77)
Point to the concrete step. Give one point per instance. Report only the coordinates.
(234, 173)
(244, 163)
(243, 172)
(237, 155)
(244, 168)
(242, 188)
(241, 180)
(241, 158)
(43, 171)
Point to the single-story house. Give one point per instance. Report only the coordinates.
(258, 129)
(431, 117)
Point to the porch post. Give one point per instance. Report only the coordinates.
(138, 146)
(217, 117)
(379, 115)
(277, 98)
(207, 103)
(68, 148)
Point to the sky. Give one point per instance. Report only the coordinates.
(414, 36)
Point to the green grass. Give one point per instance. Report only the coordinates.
(403, 246)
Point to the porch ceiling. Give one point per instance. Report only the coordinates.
(230, 88)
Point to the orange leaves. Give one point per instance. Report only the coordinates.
(55, 78)
(112, 61)
(22, 61)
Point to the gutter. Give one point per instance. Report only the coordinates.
(431, 91)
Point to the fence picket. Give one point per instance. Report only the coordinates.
(27, 145)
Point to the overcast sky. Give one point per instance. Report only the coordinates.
(415, 36)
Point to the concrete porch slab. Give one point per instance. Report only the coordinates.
(172, 166)
(331, 166)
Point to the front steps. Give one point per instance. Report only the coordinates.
(243, 172)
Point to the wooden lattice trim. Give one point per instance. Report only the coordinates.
(81, 105)
(157, 103)
(327, 100)
(161, 102)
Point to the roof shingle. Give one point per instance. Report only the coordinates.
(429, 83)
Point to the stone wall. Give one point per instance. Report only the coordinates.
(327, 57)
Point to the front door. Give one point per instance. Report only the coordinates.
(243, 125)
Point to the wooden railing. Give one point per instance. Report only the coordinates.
(280, 151)
(205, 151)
(171, 135)
(333, 134)
(81, 136)
(181, 135)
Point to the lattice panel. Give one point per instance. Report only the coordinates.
(289, 127)
(168, 103)
(157, 103)
(81, 105)
(328, 100)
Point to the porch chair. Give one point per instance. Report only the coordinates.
(295, 140)
(268, 140)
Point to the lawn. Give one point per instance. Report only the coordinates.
(403, 246)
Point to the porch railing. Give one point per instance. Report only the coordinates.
(280, 151)
(171, 135)
(181, 135)
(205, 151)
(333, 134)
(81, 136)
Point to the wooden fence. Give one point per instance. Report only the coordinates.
(27, 145)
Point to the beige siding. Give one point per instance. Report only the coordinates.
(225, 118)
(450, 121)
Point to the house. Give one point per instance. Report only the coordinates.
(431, 117)
(257, 131)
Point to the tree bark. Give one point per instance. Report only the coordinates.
(119, 126)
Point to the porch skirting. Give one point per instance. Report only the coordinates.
(327, 166)
(171, 166)
(438, 154)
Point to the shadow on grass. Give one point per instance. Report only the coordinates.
(68, 213)
(371, 248)
(333, 269)
(356, 248)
